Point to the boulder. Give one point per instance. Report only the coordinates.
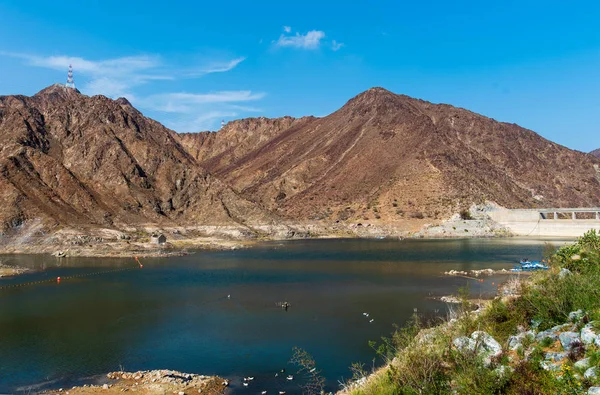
(569, 339)
(514, 342)
(561, 328)
(547, 365)
(582, 364)
(546, 334)
(594, 391)
(487, 346)
(464, 344)
(589, 335)
(555, 356)
(591, 373)
(564, 273)
(576, 316)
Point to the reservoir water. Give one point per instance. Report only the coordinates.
(175, 313)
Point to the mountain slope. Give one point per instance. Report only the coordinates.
(69, 159)
(596, 153)
(389, 157)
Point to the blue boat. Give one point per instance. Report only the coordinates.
(529, 266)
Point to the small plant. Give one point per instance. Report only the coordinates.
(546, 342)
(315, 383)
(465, 215)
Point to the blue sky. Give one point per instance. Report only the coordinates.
(191, 64)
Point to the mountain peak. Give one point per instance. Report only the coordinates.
(376, 91)
(58, 91)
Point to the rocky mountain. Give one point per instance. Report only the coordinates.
(67, 159)
(596, 153)
(390, 158)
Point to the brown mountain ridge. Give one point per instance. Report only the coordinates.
(386, 157)
(72, 161)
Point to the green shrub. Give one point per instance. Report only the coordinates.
(465, 214)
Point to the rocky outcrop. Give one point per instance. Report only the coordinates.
(73, 160)
(482, 344)
(596, 153)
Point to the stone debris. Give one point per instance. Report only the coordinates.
(154, 381)
(569, 339)
(514, 342)
(481, 343)
(576, 316)
(476, 273)
(591, 373)
(582, 364)
(589, 335)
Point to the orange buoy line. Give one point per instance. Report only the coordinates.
(59, 279)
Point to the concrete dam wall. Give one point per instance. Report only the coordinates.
(549, 222)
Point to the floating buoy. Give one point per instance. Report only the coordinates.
(58, 280)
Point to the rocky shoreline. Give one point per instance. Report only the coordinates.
(33, 237)
(151, 382)
(9, 271)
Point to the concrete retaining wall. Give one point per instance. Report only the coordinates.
(530, 223)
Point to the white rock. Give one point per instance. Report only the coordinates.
(105, 387)
(564, 273)
(555, 356)
(582, 364)
(464, 343)
(591, 373)
(589, 335)
(594, 391)
(576, 316)
(514, 342)
(487, 346)
(569, 339)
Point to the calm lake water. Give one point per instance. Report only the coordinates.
(175, 312)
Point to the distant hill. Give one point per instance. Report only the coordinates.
(596, 153)
(388, 157)
(70, 159)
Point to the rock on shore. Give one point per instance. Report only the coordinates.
(152, 382)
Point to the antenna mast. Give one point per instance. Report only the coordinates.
(70, 82)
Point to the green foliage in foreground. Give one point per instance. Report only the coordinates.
(424, 361)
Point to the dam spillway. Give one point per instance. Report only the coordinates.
(548, 222)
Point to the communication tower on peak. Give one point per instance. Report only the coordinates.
(70, 82)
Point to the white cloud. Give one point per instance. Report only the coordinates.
(116, 77)
(287, 29)
(336, 46)
(310, 40)
(119, 77)
(207, 121)
(188, 102)
(217, 67)
(193, 112)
